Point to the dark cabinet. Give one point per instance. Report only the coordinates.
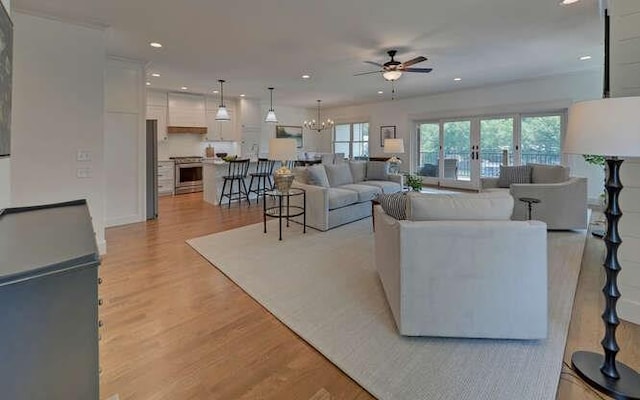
(48, 303)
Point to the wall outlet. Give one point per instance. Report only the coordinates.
(83, 155)
(83, 173)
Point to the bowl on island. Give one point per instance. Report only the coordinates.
(221, 155)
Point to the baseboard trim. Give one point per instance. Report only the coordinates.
(102, 247)
(629, 310)
(130, 219)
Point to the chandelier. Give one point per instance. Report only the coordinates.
(316, 125)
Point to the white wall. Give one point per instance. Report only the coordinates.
(5, 163)
(525, 96)
(57, 111)
(625, 81)
(124, 142)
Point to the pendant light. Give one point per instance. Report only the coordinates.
(271, 115)
(223, 114)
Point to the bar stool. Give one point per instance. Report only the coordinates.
(264, 170)
(237, 172)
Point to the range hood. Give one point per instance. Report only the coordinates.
(186, 113)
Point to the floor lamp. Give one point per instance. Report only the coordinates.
(610, 127)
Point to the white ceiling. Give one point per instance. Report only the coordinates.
(254, 44)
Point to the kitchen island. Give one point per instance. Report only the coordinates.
(212, 172)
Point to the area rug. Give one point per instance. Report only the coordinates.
(323, 285)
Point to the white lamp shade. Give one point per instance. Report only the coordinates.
(395, 146)
(392, 75)
(607, 127)
(271, 117)
(282, 149)
(222, 114)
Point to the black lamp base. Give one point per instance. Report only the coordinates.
(587, 366)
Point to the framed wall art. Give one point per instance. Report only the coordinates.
(387, 132)
(290, 132)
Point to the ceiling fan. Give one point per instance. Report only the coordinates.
(392, 70)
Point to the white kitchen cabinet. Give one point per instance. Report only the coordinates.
(159, 113)
(222, 130)
(250, 115)
(186, 110)
(166, 178)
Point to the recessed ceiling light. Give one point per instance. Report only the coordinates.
(155, 74)
(457, 79)
(305, 76)
(155, 44)
(184, 88)
(565, 2)
(585, 58)
(380, 92)
(216, 91)
(242, 95)
(148, 83)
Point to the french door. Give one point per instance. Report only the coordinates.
(458, 152)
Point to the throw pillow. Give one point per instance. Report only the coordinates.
(458, 207)
(542, 173)
(358, 170)
(300, 175)
(377, 170)
(394, 204)
(317, 175)
(514, 174)
(338, 174)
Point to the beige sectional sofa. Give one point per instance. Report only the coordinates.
(341, 193)
(457, 266)
(563, 199)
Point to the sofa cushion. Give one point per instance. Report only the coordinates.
(341, 197)
(358, 170)
(317, 175)
(394, 204)
(542, 173)
(300, 174)
(467, 207)
(365, 192)
(385, 186)
(338, 174)
(514, 174)
(377, 170)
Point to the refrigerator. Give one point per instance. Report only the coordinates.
(152, 169)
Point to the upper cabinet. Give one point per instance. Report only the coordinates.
(159, 113)
(250, 116)
(221, 130)
(186, 110)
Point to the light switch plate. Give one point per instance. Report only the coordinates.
(83, 155)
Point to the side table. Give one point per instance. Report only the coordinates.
(283, 209)
(529, 201)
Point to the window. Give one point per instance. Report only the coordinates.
(351, 139)
(541, 139)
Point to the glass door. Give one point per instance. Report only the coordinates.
(456, 169)
(445, 153)
(496, 145)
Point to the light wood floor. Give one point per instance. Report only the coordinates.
(177, 328)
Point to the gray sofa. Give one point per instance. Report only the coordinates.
(459, 267)
(563, 199)
(341, 193)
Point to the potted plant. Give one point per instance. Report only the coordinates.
(414, 182)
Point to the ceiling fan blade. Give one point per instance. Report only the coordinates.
(414, 61)
(367, 73)
(374, 63)
(425, 70)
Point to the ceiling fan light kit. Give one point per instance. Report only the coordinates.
(392, 70)
(316, 125)
(222, 114)
(271, 115)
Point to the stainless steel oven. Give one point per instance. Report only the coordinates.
(188, 175)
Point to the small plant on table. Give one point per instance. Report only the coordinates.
(414, 182)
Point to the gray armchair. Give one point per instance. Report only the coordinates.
(563, 205)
